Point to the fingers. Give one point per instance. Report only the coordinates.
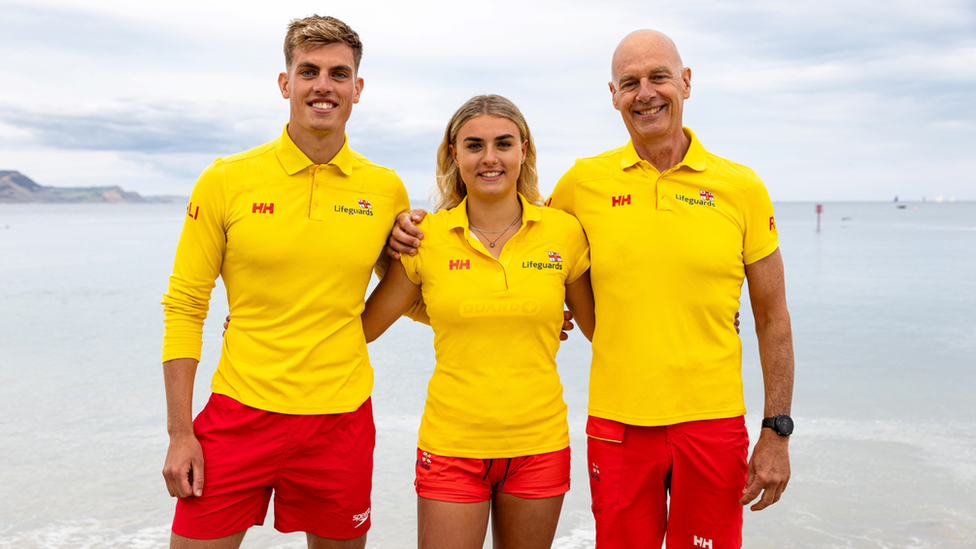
(390, 251)
(226, 323)
(196, 474)
(752, 489)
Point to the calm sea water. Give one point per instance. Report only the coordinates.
(882, 303)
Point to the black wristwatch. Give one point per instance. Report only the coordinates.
(782, 425)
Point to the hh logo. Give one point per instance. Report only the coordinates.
(622, 200)
(361, 518)
(191, 212)
(706, 196)
(554, 256)
(459, 264)
(364, 204)
(772, 223)
(703, 543)
(263, 208)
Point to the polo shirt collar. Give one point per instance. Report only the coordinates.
(694, 158)
(457, 217)
(294, 160)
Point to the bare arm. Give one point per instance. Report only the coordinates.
(183, 469)
(391, 297)
(769, 466)
(579, 299)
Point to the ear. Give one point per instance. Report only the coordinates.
(525, 149)
(283, 84)
(450, 148)
(359, 90)
(686, 81)
(613, 95)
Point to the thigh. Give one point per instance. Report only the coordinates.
(533, 477)
(523, 523)
(241, 446)
(706, 484)
(629, 484)
(325, 479)
(453, 479)
(451, 525)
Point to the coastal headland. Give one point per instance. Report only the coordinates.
(17, 188)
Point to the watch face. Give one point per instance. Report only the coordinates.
(784, 425)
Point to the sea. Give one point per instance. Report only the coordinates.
(883, 306)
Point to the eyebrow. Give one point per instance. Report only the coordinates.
(656, 70)
(506, 136)
(310, 65)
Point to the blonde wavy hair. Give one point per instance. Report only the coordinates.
(450, 188)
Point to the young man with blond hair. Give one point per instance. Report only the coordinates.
(290, 414)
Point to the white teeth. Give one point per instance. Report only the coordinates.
(323, 105)
(490, 174)
(651, 111)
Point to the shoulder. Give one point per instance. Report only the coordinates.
(731, 173)
(603, 165)
(560, 224)
(248, 155)
(372, 169)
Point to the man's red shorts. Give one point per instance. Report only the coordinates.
(465, 480)
(319, 467)
(701, 465)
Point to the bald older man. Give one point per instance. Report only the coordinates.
(673, 231)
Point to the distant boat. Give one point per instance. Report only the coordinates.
(901, 206)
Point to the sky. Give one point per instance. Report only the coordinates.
(826, 100)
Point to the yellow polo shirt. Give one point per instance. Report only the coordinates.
(669, 252)
(495, 391)
(294, 243)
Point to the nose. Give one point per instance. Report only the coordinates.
(323, 83)
(490, 157)
(646, 91)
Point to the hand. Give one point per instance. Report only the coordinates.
(405, 237)
(567, 326)
(735, 321)
(183, 469)
(227, 324)
(769, 470)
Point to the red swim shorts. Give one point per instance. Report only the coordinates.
(319, 467)
(701, 465)
(466, 480)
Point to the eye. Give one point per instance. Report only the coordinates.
(474, 146)
(504, 144)
(340, 75)
(307, 73)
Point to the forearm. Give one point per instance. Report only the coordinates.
(178, 375)
(579, 299)
(775, 337)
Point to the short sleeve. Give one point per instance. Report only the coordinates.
(579, 250)
(563, 197)
(413, 264)
(761, 237)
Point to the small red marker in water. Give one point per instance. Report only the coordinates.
(819, 211)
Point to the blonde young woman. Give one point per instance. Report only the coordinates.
(494, 272)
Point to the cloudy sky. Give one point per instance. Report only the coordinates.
(826, 100)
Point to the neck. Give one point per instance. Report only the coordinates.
(666, 153)
(319, 148)
(493, 215)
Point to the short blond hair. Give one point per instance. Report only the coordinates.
(450, 188)
(315, 31)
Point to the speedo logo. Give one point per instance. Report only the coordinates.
(705, 198)
(363, 208)
(496, 307)
(361, 518)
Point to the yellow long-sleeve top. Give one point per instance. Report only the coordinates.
(295, 243)
(669, 252)
(495, 391)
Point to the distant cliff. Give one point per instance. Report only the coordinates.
(16, 187)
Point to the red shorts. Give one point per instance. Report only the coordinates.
(319, 467)
(466, 480)
(701, 465)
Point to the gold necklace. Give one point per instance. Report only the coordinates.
(491, 243)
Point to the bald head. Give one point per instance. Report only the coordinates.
(645, 43)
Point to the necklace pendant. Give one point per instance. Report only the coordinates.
(492, 244)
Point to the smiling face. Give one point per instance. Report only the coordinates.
(649, 87)
(489, 152)
(321, 86)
